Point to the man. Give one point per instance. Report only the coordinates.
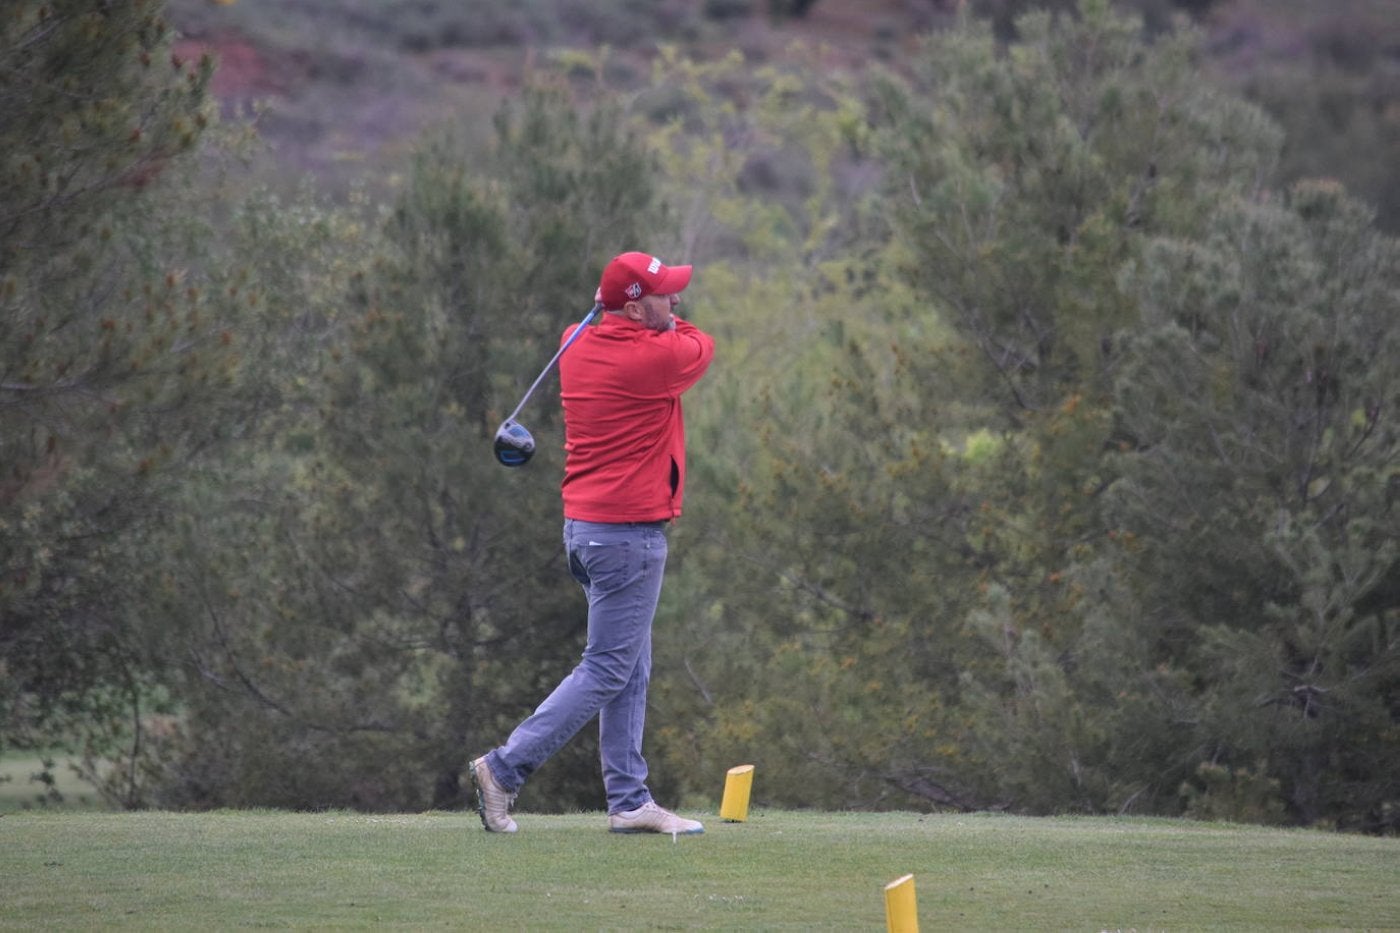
(624, 475)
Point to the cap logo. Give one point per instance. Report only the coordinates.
(654, 266)
(634, 291)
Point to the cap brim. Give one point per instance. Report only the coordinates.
(674, 280)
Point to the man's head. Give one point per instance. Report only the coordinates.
(641, 287)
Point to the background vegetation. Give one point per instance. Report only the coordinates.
(1048, 463)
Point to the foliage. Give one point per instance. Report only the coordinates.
(1255, 395)
(1157, 15)
(395, 595)
(107, 349)
(1328, 76)
(1026, 182)
(1047, 463)
(988, 629)
(418, 26)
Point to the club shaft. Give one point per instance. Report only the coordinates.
(578, 331)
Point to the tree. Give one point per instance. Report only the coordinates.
(1261, 484)
(373, 587)
(104, 347)
(1024, 182)
(951, 606)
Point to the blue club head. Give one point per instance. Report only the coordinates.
(514, 445)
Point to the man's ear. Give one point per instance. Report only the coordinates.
(634, 311)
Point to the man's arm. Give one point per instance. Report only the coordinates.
(692, 351)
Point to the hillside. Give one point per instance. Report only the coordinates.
(344, 87)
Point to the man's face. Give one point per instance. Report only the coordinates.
(654, 311)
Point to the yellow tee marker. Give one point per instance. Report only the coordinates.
(734, 807)
(901, 906)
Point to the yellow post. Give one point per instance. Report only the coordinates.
(737, 784)
(901, 906)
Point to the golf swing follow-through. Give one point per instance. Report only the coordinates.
(514, 444)
(624, 477)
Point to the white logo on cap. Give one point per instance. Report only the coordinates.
(654, 266)
(634, 291)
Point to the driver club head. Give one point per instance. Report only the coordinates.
(514, 446)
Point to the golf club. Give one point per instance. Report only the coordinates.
(514, 445)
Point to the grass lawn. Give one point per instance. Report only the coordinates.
(18, 790)
(779, 870)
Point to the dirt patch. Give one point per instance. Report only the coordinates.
(242, 72)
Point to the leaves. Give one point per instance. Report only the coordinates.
(1047, 462)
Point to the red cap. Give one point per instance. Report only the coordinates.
(632, 275)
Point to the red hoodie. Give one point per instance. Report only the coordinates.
(624, 432)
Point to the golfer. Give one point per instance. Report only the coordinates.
(624, 475)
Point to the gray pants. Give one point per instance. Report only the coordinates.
(620, 567)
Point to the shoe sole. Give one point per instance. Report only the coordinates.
(661, 832)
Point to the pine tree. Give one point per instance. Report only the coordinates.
(1260, 485)
(101, 339)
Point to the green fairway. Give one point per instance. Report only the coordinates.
(779, 870)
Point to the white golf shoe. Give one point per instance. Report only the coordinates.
(493, 802)
(649, 818)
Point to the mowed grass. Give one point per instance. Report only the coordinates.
(779, 870)
(19, 790)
